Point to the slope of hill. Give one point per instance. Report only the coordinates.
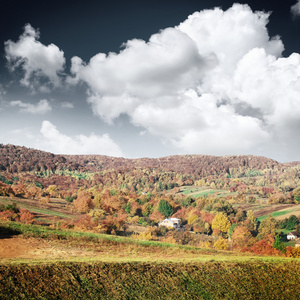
(15, 159)
(189, 164)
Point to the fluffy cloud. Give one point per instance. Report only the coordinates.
(215, 84)
(59, 143)
(39, 62)
(41, 107)
(295, 9)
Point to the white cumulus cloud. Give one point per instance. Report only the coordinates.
(215, 84)
(295, 9)
(53, 140)
(38, 62)
(41, 107)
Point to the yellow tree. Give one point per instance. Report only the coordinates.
(221, 244)
(52, 190)
(251, 221)
(267, 227)
(221, 223)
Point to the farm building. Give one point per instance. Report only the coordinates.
(292, 235)
(171, 222)
(297, 243)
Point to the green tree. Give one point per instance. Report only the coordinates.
(267, 227)
(278, 244)
(128, 207)
(165, 208)
(296, 194)
(292, 222)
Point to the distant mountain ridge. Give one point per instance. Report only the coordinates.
(16, 159)
(191, 164)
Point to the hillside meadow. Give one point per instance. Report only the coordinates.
(123, 268)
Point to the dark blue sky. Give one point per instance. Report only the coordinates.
(86, 28)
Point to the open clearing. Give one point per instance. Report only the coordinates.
(33, 249)
(18, 247)
(39, 244)
(54, 211)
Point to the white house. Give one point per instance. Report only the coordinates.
(292, 235)
(171, 222)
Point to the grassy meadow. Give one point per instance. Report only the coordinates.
(124, 268)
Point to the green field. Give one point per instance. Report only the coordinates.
(275, 214)
(195, 191)
(34, 208)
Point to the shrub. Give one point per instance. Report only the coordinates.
(8, 215)
(113, 224)
(263, 247)
(221, 244)
(26, 216)
(85, 222)
(149, 235)
(69, 199)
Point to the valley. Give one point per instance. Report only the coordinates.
(89, 211)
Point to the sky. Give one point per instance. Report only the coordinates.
(151, 78)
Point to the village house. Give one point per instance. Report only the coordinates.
(171, 222)
(297, 243)
(292, 235)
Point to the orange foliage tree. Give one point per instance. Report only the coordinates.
(33, 192)
(85, 222)
(242, 236)
(156, 216)
(26, 216)
(19, 190)
(113, 224)
(5, 189)
(111, 204)
(84, 202)
(263, 247)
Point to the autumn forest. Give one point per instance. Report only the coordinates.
(241, 203)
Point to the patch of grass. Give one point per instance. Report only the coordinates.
(39, 231)
(35, 209)
(284, 231)
(275, 214)
(204, 193)
(281, 213)
(110, 248)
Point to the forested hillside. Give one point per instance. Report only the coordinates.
(18, 159)
(214, 197)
